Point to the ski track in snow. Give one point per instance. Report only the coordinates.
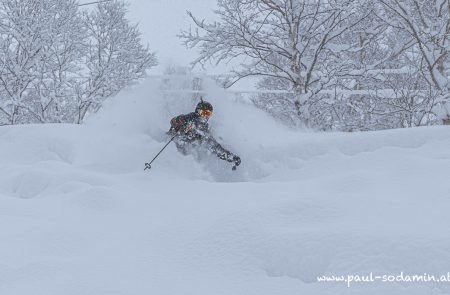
(80, 216)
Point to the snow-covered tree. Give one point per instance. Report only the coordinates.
(57, 63)
(296, 41)
(22, 38)
(60, 66)
(426, 24)
(115, 55)
(345, 65)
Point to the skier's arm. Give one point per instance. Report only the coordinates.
(221, 152)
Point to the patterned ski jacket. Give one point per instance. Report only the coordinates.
(190, 126)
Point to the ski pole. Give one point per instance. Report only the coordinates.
(149, 165)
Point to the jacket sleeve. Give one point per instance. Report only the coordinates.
(179, 123)
(217, 149)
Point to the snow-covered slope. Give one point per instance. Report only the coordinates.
(79, 215)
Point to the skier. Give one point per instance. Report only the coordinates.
(192, 131)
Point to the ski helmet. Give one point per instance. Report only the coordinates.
(203, 105)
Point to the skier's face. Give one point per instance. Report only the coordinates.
(205, 115)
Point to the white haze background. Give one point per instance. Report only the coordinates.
(160, 21)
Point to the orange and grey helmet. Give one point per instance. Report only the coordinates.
(204, 108)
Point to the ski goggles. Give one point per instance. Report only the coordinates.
(205, 113)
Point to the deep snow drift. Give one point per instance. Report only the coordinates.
(79, 215)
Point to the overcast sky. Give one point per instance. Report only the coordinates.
(161, 20)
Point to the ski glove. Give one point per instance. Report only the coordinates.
(236, 160)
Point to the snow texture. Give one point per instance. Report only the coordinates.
(79, 215)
